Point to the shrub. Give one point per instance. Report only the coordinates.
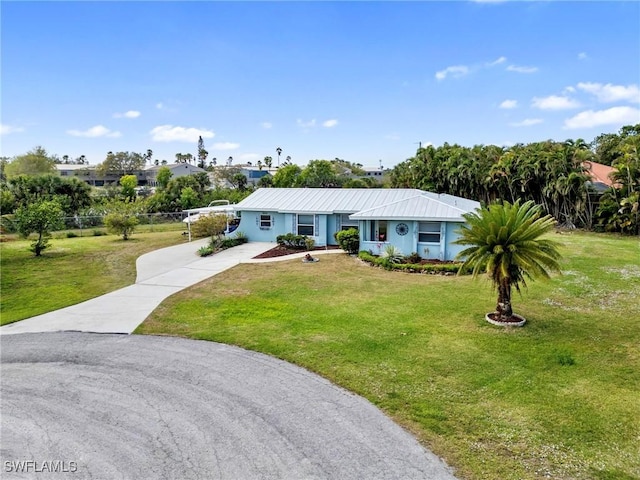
(436, 268)
(71, 234)
(205, 251)
(349, 240)
(209, 225)
(414, 258)
(292, 240)
(309, 243)
(242, 237)
(392, 254)
(8, 224)
(98, 233)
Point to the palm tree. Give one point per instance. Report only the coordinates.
(278, 151)
(505, 243)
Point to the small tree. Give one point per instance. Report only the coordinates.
(505, 243)
(349, 240)
(40, 218)
(128, 184)
(122, 218)
(163, 177)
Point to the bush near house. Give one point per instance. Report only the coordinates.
(291, 240)
(218, 244)
(403, 266)
(349, 240)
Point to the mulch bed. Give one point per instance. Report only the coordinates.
(281, 251)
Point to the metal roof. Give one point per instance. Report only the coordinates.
(322, 200)
(425, 207)
(398, 203)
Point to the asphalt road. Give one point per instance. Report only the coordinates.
(137, 407)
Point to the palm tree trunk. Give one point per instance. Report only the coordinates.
(503, 309)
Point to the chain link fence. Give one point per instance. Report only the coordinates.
(84, 225)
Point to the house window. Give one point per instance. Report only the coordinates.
(306, 225)
(429, 232)
(376, 231)
(346, 223)
(266, 221)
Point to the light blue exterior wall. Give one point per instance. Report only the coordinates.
(250, 226)
(452, 235)
(327, 225)
(407, 244)
(285, 223)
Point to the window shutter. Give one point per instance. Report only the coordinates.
(294, 218)
(338, 222)
(316, 222)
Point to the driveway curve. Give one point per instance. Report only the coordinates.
(140, 407)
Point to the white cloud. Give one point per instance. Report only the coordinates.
(527, 122)
(611, 116)
(456, 71)
(330, 123)
(266, 125)
(611, 93)
(128, 114)
(509, 104)
(520, 69)
(169, 133)
(225, 146)
(582, 56)
(569, 90)
(496, 62)
(554, 102)
(94, 132)
(310, 123)
(7, 129)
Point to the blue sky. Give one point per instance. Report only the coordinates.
(362, 81)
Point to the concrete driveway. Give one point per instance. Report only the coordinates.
(139, 407)
(160, 273)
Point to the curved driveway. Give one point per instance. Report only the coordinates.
(160, 273)
(140, 407)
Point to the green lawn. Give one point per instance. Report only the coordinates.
(72, 270)
(559, 398)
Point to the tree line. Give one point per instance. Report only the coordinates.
(552, 174)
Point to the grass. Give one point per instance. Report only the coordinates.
(559, 398)
(71, 271)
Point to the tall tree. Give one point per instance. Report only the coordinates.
(202, 154)
(34, 162)
(122, 163)
(287, 176)
(278, 151)
(319, 174)
(505, 244)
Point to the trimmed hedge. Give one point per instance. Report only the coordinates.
(432, 268)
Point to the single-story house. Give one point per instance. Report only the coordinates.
(176, 169)
(412, 220)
